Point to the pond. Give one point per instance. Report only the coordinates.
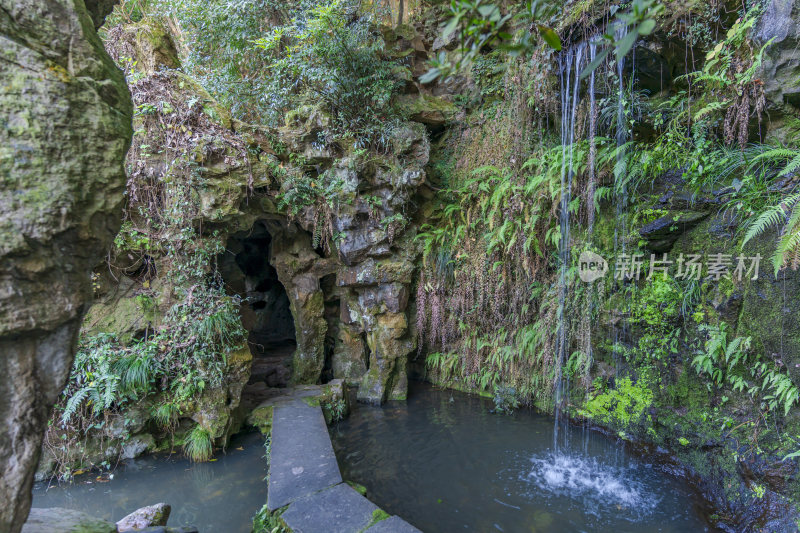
(445, 463)
(222, 495)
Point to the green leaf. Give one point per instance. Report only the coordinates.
(451, 27)
(550, 37)
(646, 27)
(625, 44)
(429, 76)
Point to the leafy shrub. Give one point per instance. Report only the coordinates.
(335, 407)
(189, 351)
(266, 522)
(624, 405)
(506, 399)
(332, 53)
(93, 384)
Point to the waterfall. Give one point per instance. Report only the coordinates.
(570, 64)
(620, 184)
(590, 207)
(621, 138)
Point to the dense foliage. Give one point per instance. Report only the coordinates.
(330, 54)
(518, 193)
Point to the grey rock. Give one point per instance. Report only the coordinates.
(662, 233)
(66, 115)
(392, 297)
(780, 67)
(138, 445)
(152, 515)
(339, 509)
(349, 358)
(162, 529)
(302, 461)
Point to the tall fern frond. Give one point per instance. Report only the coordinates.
(772, 216)
(792, 166)
(74, 403)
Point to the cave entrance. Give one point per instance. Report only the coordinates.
(265, 311)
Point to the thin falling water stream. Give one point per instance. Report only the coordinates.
(553, 467)
(570, 65)
(620, 334)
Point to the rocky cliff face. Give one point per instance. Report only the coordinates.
(343, 266)
(65, 113)
(346, 266)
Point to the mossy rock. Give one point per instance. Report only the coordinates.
(149, 44)
(261, 417)
(66, 521)
(358, 487)
(427, 109)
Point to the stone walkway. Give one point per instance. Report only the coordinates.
(305, 476)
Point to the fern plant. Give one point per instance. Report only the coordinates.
(785, 214)
(729, 362)
(93, 384)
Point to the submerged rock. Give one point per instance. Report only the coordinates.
(57, 519)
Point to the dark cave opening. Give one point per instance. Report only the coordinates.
(265, 311)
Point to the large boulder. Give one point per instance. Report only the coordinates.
(65, 126)
(780, 66)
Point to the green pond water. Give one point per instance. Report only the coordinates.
(445, 463)
(217, 497)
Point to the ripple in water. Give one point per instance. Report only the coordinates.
(598, 487)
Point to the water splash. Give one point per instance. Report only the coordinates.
(596, 486)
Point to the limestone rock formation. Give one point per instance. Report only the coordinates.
(65, 113)
(347, 291)
(780, 65)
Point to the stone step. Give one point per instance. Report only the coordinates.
(393, 524)
(302, 461)
(304, 474)
(339, 509)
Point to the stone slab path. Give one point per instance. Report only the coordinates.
(305, 476)
(302, 461)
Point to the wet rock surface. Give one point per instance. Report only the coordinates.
(304, 479)
(65, 521)
(66, 112)
(152, 515)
